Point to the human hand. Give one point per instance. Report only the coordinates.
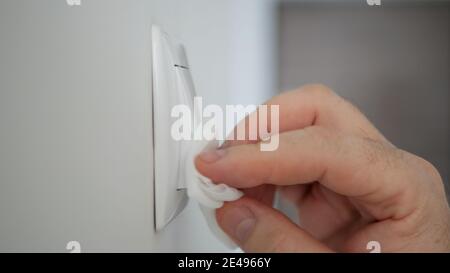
(349, 184)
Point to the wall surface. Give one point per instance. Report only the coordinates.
(75, 115)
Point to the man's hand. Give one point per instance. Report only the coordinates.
(349, 184)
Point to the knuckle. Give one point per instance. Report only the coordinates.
(430, 168)
(427, 167)
(353, 109)
(320, 90)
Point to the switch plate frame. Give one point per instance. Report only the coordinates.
(172, 85)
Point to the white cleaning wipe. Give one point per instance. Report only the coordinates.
(210, 196)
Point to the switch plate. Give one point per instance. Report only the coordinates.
(172, 85)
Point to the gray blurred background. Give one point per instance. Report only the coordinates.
(391, 61)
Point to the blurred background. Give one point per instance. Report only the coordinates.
(76, 150)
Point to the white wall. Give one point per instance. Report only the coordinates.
(75, 114)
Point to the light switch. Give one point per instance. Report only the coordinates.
(172, 85)
(175, 175)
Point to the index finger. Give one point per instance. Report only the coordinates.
(308, 106)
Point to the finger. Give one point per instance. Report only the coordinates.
(350, 166)
(295, 193)
(262, 193)
(256, 227)
(307, 106)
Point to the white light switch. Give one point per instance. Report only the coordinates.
(172, 85)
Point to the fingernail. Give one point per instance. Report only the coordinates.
(211, 156)
(239, 222)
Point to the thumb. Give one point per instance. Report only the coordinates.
(256, 227)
